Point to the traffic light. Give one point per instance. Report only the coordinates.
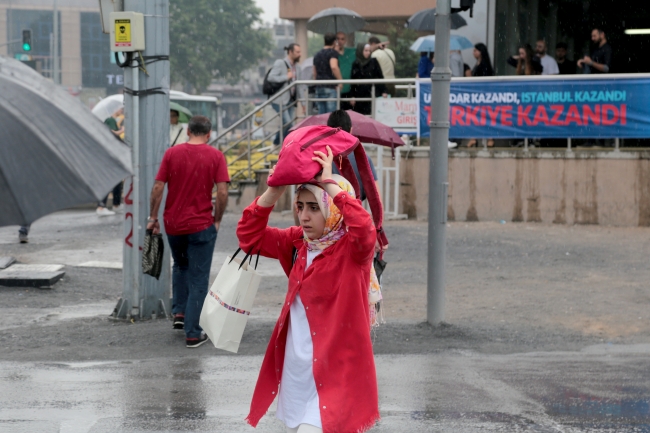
(27, 40)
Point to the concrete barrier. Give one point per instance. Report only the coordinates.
(552, 186)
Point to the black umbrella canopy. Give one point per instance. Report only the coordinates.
(335, 20)
(54, 153)
(425, 21)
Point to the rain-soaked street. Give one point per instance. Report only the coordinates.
(548, 331)
(601, 388)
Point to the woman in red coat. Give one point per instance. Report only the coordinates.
(319, 362)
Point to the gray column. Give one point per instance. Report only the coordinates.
(438, 177)
(70, 48)
(300, 29)
(148, 133)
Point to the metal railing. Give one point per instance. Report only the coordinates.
(259, 152)
(245, 153)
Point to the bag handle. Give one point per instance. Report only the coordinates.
(319, 137)
(248, 256)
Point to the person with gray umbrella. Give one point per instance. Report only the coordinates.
(117, 130)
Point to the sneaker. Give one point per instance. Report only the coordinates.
(179, 321)
(196, 342)
(452, 145)
(22, 237)
(118, 208)
(102, 211)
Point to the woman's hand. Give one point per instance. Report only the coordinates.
(272, 194)
(326, 162)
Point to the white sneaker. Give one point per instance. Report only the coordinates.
(102, 211)
(452, 145)
(118, 209)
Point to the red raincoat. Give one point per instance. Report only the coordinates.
(334, 291)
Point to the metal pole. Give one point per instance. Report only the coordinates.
(281, 124)
(338, 96)
(147, 131)
(396, 186)
(250, 172)
(438, 178)
(55, 44)
(135, 258)
(380, 173)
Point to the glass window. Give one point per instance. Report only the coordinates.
(98, 65)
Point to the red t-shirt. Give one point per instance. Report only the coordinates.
(190, 171)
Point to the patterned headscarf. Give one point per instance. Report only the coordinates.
(335, 230)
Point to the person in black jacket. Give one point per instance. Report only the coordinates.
(483, 67)
(365, 67)
(526, 62)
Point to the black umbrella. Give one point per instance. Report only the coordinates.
(335, 20)
(425, 21)
(54, 153)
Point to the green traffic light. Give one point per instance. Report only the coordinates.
(27, 47)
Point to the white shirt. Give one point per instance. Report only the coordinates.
(386, 60)
(177, 134)
(298, 399)
(550, 65)
(456, 64)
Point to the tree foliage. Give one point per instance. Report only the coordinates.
(407, 60)
(214, 39)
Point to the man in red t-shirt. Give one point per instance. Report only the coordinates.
(191, 170)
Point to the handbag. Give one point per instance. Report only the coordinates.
(229, 301)
(295, 165)
(152, 254)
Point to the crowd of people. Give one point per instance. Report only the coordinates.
(538, 62)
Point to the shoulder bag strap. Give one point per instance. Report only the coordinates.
(370, 187)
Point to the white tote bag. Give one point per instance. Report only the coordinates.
(229, 302)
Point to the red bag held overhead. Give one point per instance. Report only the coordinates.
(295, 165)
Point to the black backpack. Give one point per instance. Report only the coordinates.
(269, 88)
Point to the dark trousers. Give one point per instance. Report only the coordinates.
(117, 196)
(192, 256)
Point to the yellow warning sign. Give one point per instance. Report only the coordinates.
(122, 33)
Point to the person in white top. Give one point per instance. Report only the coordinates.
(386, 59)
(456, 64)
(548, 63)
(177, 132)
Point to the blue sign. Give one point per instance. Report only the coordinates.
(589, 108)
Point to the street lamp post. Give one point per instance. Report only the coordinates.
(438, 177)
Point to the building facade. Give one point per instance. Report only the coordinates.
(87, 66)
(504, 25)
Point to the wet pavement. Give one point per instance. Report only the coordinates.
(549, 331)
(603, 388)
